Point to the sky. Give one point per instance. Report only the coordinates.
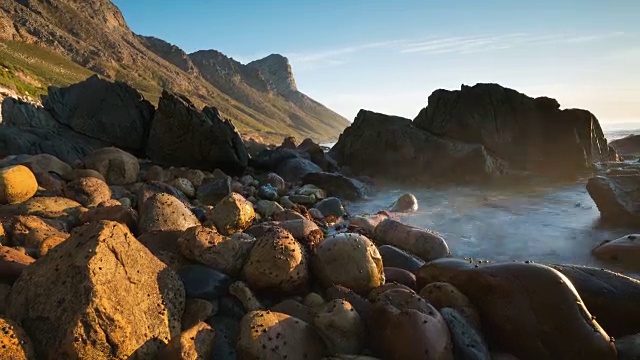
(389, 55)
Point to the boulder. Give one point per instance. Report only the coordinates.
(249, 301)
(294, 308)
(467, 341)
(529, 134)
(350, 260)
(394, 257)
(268, 192)
(318, 155)
(113, 112)
(88, 191)
(306, 232)
(32, 232)
(213, 190)
(400, 276)
(233, 214)
(393, 148)
(195, 343)
(406, 203)
(266, 208)
(331, 207)
(628, 145)
(45, 163)
(12, 264)
(118, 167)
(183, 136)
(337, 185)
(340, 327)
(195, 311)
(202, 282)
(150, 188)
(165, 212)
(227, 332)
(264, 334)
(624, 250)
(118, 213)
(17, 184)
(16, 344)
(276, 181)
(295, 168)
(444, 295)
(59, 208)
(100, 294)
(425, 244)
(360, 304)
(185, 186)
(617, 197)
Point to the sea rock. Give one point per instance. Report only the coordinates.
(400, 276)
(232, 214)
(181, 135)
(195, 311)
(359, 303)
(306, 232)
(331, 207)
(405, 203)
(112, 112)
(288, 215)
(34, 233)
(350, 260)
(155, 173)
(185, 186)
(467, 342)
(318, 155)
(277, 262)
(276, 181)
(337, 185)
(82, 173)
(278, 333)
(165, 212)
(286, 202)
(408, 334)
(16, 344)
(208, 247)
(530, 134)
(268, 192)
(394, 257)
(393, 148)
(109, 297)
(205, 283)
(444, 295)
(194, 343)
(425, 244)
(213, 190)
(340, 327)
(12, 264)
(312, 191)
(267, 208)
(117, 166)
(399, 296)
(617, 197)
(294, 169)
(628, 145)
(609, 296)
(88, 191)
(367, 224)
(625, 250)
(17, 184)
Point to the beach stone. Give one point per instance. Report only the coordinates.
(306, 232)
(50, 184)
(295, 309)
(118, 213)
(34, 233)
(331, 207)
(155, 173)
(233, 214)
(467, 342)
(609, 296)
(268, 192)
(288, 215)
(267, 208)
(277, 182)
(405, 203)
(403, 299)
(249, 301)
(375, 293)
(628, 347)
(17, 184)
(350, 260)
(408, 334)
(616, 198)
(12, 264)
(213, 190)
(195, 176)
(195, 311)
(100, 294)
(227, 332)
(229, 306)
(444, 295)
(62, 209)
(205, 283)
(359, 303)
(441, 270)
(625, 250)
(423, 243)
(286, 202)
(15, 343)
(194, 343)
(303, 199)
(86, 173)
(88, 191)
(46, 163)
(289, 337)
(316, 214)
(150, 188)
(185, 186)
(367, 224)
(400, 276)
(340, 327)
(337, 185)
(165, 213)
(394, 257)
(313, 300)
(277, 262)
(117, 166)
(311, 190)
(208, 247)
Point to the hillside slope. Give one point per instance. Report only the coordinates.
(94, 35)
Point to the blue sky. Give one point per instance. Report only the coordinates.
(388, 56)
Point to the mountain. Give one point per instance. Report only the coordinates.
(58, 42)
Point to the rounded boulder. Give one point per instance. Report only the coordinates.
(17, 184)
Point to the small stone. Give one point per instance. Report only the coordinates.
(286, 202)
(405, 203)
(118, 167)
(17, 184)
(88, 191)
(267, 208)
(185, 186)
(213, 190)
(268, 192)
(204, 283)
(232, 214)
(331, 207)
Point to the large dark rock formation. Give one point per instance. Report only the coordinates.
(183, 136)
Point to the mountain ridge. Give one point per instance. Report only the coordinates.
(260, 97)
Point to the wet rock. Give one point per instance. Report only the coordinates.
(400, 276)
(295, 309)
(118, 167)
(267, 208)
(194, 343)
(350, 260)
(425, 244)
(337, 185)
(263, 333)
(405, 203)
(17, 184)
(16, 344)
(204, 283)
(268, 192)
(617, 197)
(340, 327)
(628, 145)
(408, 334)
(360, 304)
(277, 182)
(232, 214)
(101, 272)
(628, 347)
(394, 257)
(208, 247)
(625, 250)
(166, 213)
(242, 292)
(88, 191)
(196, 310)
(12, 264)
(441, 270)
(277, 262)
(331, 207)
(227, 332)
(34, 233)
(609, 296)
(185, 186)
(444, 295)
(467, 342)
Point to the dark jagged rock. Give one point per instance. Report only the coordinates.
(617, 197)
(391, 147)
(629, 145)
(337, 185)
(183, 136)
(530, 134)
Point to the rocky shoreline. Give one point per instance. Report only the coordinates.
(184, 244)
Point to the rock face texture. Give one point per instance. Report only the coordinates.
(99, 295)
(183, 136)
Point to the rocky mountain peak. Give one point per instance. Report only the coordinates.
(170, 53)
(276, 69)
